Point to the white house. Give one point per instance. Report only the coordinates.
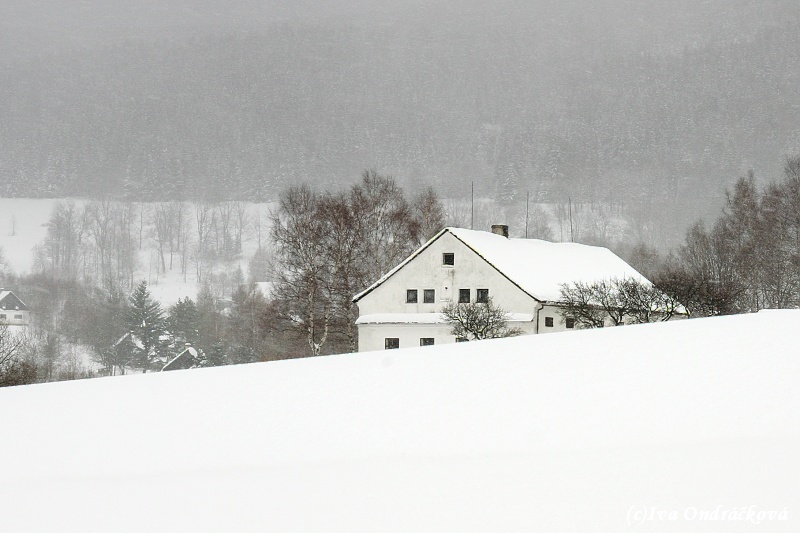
(13, 312)
(523, 276)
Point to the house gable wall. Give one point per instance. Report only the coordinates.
(426, 271)
(13, 311)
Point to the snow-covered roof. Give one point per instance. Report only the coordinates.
(187, 357)
(537, 267)
(425, 318)
(10, 301)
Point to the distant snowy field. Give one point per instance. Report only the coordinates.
(23, 226)
(685, 426)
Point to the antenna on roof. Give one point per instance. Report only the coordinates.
(527, 198)
(472, 211)
(571, 236)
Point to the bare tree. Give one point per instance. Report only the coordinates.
(578, 303)
(618, 300)
(429, 213)
(204, 219)
(241, 220)
(101, 228)
(302, 272)
(388, 230)
(340, 241)
(163, 232)
(14, 370)
(62, 246)
(225, 221)
(539, 224)
(478, 321)
(329, 247)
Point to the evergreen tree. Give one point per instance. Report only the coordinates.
(146, 322)
(182, 322)
(208, 322)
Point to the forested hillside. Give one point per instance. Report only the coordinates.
(658, 108)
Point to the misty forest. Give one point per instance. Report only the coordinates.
(309, 148)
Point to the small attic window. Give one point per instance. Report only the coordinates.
(448, 259)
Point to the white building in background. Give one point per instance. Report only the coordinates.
(13, 312)
(522, 276)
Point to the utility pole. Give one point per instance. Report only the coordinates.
(571, 237)
(527, 199)
(472, 210)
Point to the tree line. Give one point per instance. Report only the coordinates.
(322, 247)
(748, 259)
(316, 250)
(220, 116)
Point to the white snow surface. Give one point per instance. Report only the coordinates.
(583, 431)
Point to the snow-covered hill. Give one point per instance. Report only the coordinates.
(685, 426)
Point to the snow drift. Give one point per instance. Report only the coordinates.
(652, 428)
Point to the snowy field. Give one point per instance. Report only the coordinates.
(685, 426)
(23, 226)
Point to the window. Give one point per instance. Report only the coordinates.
(429, 296)
(2, 317)
(411, 296)
(483, 296)
(426, 341)
(462, 339)
(548, 322)
(448, 259)
(391, 343)
(17, 317)
(570, 323)
(463, 296)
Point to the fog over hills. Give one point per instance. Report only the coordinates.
(656, 106)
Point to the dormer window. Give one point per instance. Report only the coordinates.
(448, 259)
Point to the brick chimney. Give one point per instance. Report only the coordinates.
(500, 229)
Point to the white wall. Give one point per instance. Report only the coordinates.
(372, 337)
(559, 324)
(10, 315)
(426, 271)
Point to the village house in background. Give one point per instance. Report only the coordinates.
(13, 311)
(188, 358)
(522, 276)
